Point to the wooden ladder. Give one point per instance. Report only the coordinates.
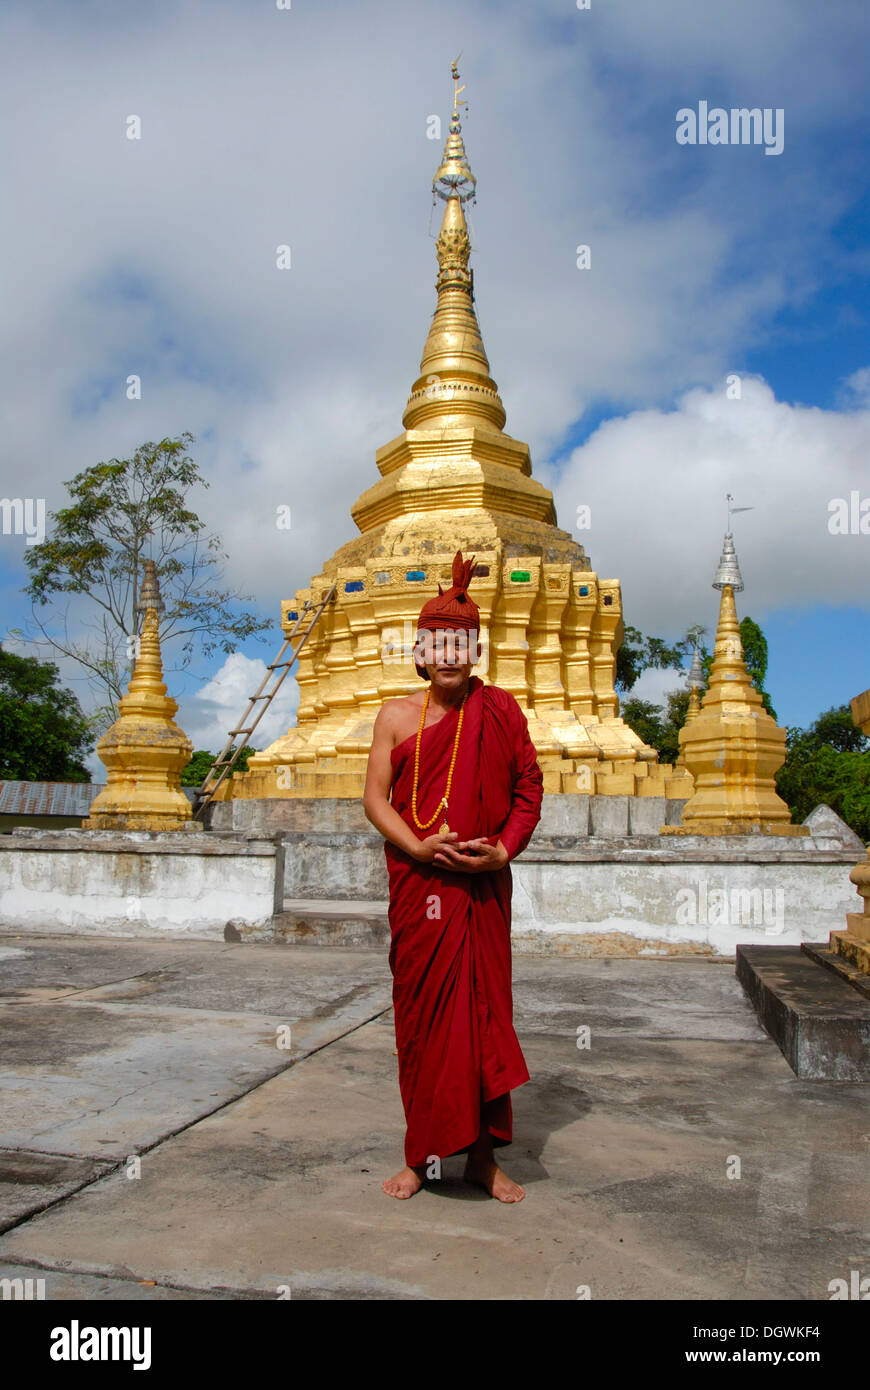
(276, 672)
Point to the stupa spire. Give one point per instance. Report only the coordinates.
(696, 685)
(454, 386)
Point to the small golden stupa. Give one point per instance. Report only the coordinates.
(453, 479)
(144, 751)
(732, 747)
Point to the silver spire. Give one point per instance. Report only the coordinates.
(729, 570)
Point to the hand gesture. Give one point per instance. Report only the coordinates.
(432, 843)
(481, 857)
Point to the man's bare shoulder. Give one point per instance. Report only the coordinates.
(397, 717)
(391, 710)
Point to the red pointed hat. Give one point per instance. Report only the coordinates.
(453, 609)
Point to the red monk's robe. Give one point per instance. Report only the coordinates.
(450, 954)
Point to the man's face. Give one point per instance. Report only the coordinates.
(447, 654)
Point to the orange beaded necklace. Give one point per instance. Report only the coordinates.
(424, 825)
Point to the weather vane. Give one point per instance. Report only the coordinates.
(732, 510)
(457, 91)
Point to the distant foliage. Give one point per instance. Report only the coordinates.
(828, 764)
(659, 726)
(197, 769)
(44, 737)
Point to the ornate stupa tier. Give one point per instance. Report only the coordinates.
(550, 630)
(454, 480)
(453, 470)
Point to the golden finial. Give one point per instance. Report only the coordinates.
(454, 385)
(457, 91)
(454, 178)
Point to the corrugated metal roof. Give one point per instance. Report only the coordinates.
(47, 798)
(54, 798)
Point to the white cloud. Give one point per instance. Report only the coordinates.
(654, 684)
(218, 707)
(656, 482)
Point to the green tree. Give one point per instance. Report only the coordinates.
(676, 709)
(837, 728)
(121, 512)
(44, 737)
(826, 765)
(659, 726)
(197, 769)
(646, 719)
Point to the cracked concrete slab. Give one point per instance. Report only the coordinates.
(623, 1148)
(675, 1157)
(30, 1181)
(100, 1064)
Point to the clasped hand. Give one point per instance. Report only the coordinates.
(463, 856)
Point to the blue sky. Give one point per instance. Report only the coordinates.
(308, 127)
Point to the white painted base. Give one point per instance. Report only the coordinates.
(105, 883)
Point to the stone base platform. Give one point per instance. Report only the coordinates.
(820, 1023)
(596, 879)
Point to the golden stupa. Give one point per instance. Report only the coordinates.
(144, 750)
(731, 746)
(453, 479)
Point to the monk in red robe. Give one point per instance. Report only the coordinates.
(453, 785)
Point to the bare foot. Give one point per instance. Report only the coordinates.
(404, 1184)
(486, 1172)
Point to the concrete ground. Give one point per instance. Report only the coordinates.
(260, 1165)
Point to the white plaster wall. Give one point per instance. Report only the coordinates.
(133, 894)
(777, 903)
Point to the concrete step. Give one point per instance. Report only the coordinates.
(326, 922)
(832, 960)
(818, 1020)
